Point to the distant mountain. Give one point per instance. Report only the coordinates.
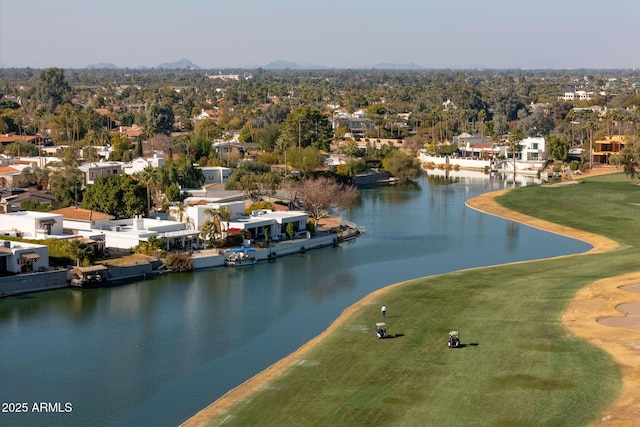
(183, 63)
(102, 65)
(389, 66)
(283, 65)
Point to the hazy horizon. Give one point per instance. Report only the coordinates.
(495, 34)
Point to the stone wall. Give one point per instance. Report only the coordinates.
(33, 282)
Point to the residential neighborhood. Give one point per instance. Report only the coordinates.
(175, 168)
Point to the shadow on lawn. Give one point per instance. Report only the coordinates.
(472, 344)
(386, 337)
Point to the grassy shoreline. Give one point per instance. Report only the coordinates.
(520, 365)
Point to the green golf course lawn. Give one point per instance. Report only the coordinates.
(518, 365)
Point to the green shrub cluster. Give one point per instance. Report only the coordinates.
(180, 262)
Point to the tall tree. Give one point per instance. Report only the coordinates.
(67, 181)
(160, 118)
(53, 89)
(147, 177)
(402, 166)
(630, 158)
(117, 195)
(306, 160)
(558, 147)
(513, 147)
(308, 127)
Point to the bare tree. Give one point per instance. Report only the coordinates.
(323, 197)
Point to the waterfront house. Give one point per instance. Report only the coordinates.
(129, 232)
(31, 225)
(105, 230)
(21, 257)
(197, 212)
(531, 150)
(75, 219)
(274, 223)
(604, 148)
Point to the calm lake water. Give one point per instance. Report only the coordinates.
(157, 351)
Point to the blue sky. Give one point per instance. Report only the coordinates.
(335, 33)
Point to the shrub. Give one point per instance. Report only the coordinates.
(178, 262)
(311, 227)
(258, 206)
(234, 239)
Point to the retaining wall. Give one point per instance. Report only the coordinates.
(33, 282)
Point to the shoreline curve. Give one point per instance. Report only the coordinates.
(596, 300)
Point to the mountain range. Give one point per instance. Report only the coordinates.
(275, 65)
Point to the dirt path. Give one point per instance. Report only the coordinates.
(596, 301)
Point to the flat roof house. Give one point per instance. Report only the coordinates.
(92, 171)
(275, 222)
(31, 225)
(21, 257)
(216, 174)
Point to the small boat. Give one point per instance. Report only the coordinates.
(240, 257)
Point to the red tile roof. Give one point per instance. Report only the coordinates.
(80, 214)
(8, 170)
(9, 139)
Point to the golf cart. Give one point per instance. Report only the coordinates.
(381, 330)
(454, 339)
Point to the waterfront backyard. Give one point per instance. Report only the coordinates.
(519, 364)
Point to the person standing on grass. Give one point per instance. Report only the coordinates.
(383, 310)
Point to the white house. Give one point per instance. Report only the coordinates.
(20, 257)
(275, 222)
(533, 149)
(31, 225)
(139, 164)
(92, 171)
(216, 174)
(207, 114)
(577, 95)
(197, 216)
(129, 232)
(75, 218)
(531, 157)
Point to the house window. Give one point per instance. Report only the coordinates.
(534, 146)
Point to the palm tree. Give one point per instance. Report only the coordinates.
(182, 217)
(218, 215)
(81, 251)
(147, 176)
(514, 147)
